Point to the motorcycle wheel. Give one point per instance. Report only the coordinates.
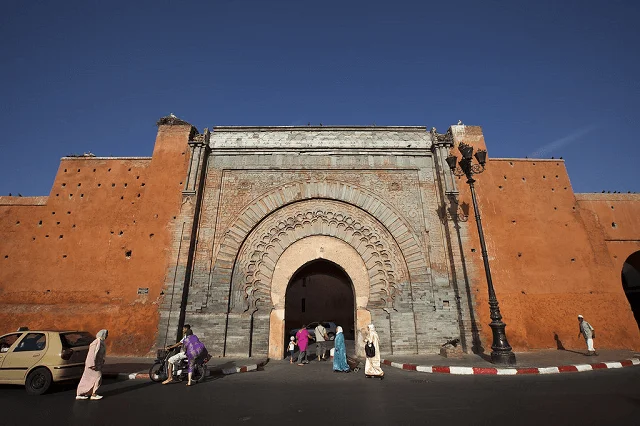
(157, 373)
(199, 373)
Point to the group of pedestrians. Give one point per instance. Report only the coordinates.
(340, 364)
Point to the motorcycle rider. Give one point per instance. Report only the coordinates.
(177, 358)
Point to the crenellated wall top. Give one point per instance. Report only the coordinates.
(344, 137)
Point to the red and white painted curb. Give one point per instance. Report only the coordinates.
(512, 371)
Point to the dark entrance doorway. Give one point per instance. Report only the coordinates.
(631, 283)
(320, 291)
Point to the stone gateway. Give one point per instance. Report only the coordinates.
(249, 233)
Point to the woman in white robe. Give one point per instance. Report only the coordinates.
(372, 365)
(92, 376)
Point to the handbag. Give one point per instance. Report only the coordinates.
(370, 350)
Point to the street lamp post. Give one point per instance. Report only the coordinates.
(500, 349)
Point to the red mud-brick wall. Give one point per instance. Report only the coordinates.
(616, 218)
(549, 261)
(76, 259)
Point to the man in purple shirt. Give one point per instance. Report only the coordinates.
(302, 337)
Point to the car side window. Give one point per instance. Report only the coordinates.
(32, 342)
(7, 341)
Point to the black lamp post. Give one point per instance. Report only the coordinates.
(500, 349)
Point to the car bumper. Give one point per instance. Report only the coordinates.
(67, 372)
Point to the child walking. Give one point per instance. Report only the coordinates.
(291, 349)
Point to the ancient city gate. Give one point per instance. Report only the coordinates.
(260, 203)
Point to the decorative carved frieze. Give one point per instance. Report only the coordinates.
(263, 247)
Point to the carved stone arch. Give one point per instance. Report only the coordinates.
(400, 231)
(258, 256)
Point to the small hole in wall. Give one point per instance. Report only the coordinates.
(33, 238)
(113, 185)
(53, 212)
(573, 208)
(129, 169)
(534, 164)
(155, 216)
(40, 223)
(614, 225)
(68, 212)
(522, 291)
(65, 170)
(57, 223)
(182, 153)
(70, 195)
(544, 177)
(611, 207)
(473, 250)
(499, 186)
(121, 233)
(122, 197)
(151, 236)
(513, 221)
(511, 163)
(142, 184)
(73, 226)
(615, 256)
(60, 237)
(565, 188)
(553, 190)
(519, 254)
(17, 222)
(125, 185)
(79, 185)
(137, 177)
(174, 218)
(138, 195)
(64, 256)
(6, 256)
(573, 259)
(523, 179)
(57, 195)
(94, 170)
(505, 177)
(64, 184)
(78, 170)
(557, 176)
(445, 303)
(112, 232)
(180, 183)
(46, 236)
(81, 195)
(108, 170)
(127, 254)
(99, 185)
(555, 208)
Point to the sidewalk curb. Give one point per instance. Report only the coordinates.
(574, 368)
(211, 372)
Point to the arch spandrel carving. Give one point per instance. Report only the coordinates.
(346, 228)
(261, 250)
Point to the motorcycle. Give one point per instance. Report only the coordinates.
(159, 371)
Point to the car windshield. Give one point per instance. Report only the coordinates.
(75, 339)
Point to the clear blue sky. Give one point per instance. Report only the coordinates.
(554, 77)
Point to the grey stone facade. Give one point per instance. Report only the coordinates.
(253, 192)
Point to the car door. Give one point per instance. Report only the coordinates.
(7, 343)
(23, 355)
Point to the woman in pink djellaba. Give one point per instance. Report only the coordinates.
(92, 376)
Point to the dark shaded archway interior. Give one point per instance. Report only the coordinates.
(320, 291)
(631, 283)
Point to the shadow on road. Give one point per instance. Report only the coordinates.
(126, 389)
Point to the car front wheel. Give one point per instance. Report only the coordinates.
(38, 381)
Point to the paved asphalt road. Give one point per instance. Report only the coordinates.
(285, 394)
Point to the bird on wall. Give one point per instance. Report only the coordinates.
(460, 123)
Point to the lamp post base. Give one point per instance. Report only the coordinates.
(503, 358)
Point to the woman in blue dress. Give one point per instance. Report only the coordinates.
(340, 352)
